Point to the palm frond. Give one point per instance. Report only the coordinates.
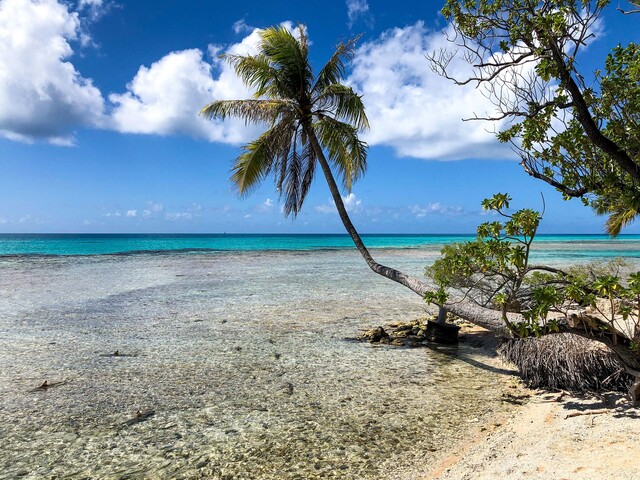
(622, 210)
(251, 111)
(281, 72)
(288, 56)
(344, 103)
(256, 71)
(258, 157)
(346, 152)
(620, 219)
(251, 166)
(334, 70)
(309, 162)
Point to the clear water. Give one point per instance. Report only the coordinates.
(246, 357)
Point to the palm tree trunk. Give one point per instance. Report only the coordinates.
(413, 284)
(484, 317)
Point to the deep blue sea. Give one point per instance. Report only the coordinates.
(569, 246)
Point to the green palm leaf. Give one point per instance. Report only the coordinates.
(259, 157)
(346, 151)
(251, 111)
(334, 70)
(345, 103)
(306, 117)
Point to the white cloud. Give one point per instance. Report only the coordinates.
(153, 209)
(240, 26)
(165, 98)
(351, 202)
(326, 208)
(357, 9)
(435, 208)
(194, 210)
(42, 95)
(94, 9)
(266, 206)
(412, 109)
(173, 216)
(132, 213)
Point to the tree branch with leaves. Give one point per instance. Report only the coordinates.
(577, 131)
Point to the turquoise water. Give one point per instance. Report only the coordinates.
(242, 347)
(570, 246)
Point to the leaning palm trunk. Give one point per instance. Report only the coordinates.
(484, 317)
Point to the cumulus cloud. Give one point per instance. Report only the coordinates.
(192, 211)
(132, 213)
(266, 206)
(351, 202)
(416, 112)
(45, 97)
(42, 95)
(153, 209)
(174, 216)
(165, 97)
(94, 9)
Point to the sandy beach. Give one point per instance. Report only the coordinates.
(553, 435)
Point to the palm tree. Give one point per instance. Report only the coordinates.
(312, 120)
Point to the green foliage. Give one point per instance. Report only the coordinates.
(298, 109)
(439, 297)
(495, 271)
(493, 266)
(579, 134)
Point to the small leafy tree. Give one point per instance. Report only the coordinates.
(495, 271)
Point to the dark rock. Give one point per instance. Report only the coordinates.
(444, 333)
(377, 335)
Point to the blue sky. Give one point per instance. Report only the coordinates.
(99, 129)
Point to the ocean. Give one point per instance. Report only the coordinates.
(239, 352)
(553, 246)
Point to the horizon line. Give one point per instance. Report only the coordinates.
(295, 234)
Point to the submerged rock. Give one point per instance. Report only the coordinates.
(412, 334)
(376, 335)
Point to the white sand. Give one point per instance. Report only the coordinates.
(540, 441)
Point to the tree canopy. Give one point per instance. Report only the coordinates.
(307, 117)
(575, 130)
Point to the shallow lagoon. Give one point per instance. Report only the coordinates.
(247, 361)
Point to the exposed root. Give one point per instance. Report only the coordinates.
(567, 362)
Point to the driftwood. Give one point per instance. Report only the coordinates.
(46, 385)
(592, 412)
